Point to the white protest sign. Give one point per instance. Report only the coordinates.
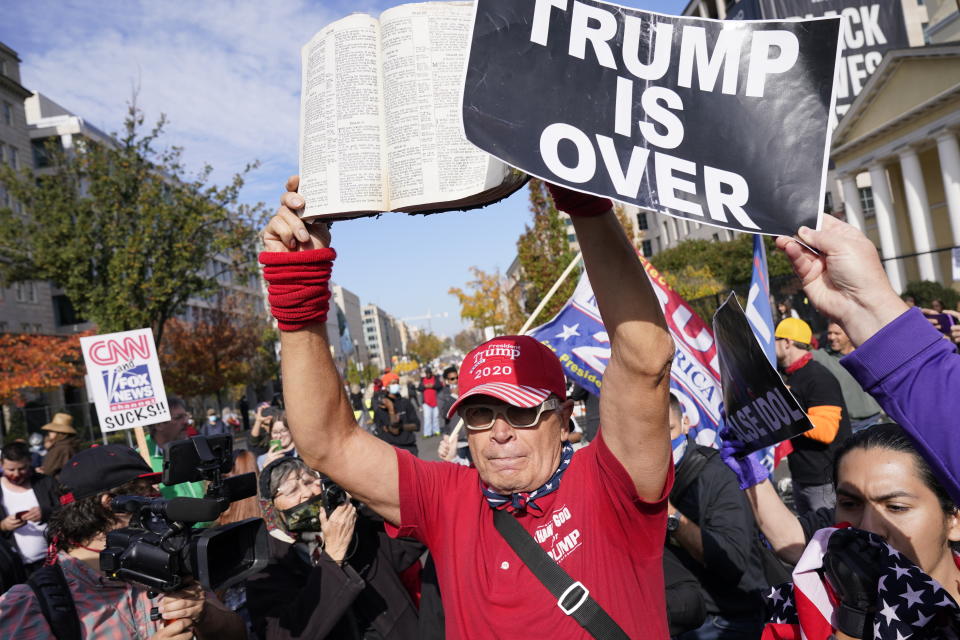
(124, 374)
(955, 261)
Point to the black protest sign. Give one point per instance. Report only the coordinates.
(723, 123)
(870, 27)
(759, 409)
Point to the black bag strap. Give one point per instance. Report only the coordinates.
(573, 598)
(56, 602)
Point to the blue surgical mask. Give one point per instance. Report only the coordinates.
(679, 446)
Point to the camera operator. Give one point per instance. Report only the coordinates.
(103, 608)
(396, 419)
(330, 576)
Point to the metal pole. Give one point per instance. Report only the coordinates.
(553, 290)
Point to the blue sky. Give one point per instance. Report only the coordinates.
(227, 75)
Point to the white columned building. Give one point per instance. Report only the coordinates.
(902, 131)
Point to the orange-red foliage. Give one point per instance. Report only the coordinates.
(32, 361)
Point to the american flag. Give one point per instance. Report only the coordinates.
(910, 604)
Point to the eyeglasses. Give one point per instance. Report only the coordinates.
(295, 487)
(478, 417)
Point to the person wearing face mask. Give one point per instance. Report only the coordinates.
(711, 529)
(898, 533)
(333, 573)
(88, 604)
(27, 500)
(396, 419)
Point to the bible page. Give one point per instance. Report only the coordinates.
(424, 49)
(342, 163)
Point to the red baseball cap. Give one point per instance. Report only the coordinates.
(519, 370)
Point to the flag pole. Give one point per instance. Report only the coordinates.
(553, 290)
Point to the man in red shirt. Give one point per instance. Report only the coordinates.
(600, 514)
(430, 385)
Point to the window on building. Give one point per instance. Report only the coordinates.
(7, 113)
(3, 326)
(642, 223)
(828, 202)
(866, 201)
(647, 248)
(25, 291)
(716, 237)
(571, 237)
(25, 327)
(3, 67)
(3, 153)
(14, 158)
(64, 313)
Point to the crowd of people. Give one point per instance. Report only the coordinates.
(618, 525)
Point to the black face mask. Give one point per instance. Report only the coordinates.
(305, 516)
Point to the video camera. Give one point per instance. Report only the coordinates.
(160, 549)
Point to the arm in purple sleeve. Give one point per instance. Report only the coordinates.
(915, 376)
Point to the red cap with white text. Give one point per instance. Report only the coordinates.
(519, 370)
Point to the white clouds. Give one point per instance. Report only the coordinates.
(226, 74)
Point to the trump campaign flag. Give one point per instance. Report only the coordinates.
(759, 313)
(577, 335)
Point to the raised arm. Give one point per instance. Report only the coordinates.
(636, 382)
(319, 414)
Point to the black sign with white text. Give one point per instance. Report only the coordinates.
(723, 123)
(870, 27)
(759, 409)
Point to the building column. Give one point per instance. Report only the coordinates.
(851, 200)
(664, 231)
(674, 230)
(721, 9)
(949, 152)
(919, 209)
(889, 242)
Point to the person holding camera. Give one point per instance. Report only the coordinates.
(396, 419)
(89, 604)
(333, 573)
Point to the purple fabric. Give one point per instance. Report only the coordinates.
(749, 469)
(914, 373)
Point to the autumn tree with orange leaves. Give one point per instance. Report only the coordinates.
(32, 361)
(224, 348)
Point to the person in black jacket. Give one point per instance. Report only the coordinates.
(340, 578)
(396, 419)
(28, 500)
(686, 609)
(712, 531)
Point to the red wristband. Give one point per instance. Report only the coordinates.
(298, 286)
(576, 204)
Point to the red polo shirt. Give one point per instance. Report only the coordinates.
(596, 526)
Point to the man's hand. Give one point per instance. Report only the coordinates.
(187, 603)
(32, 515)
(955, 333)
(447, 449)
(338, 531)
(287, 232)
(846, 281)
(11, 523)
(178, 630)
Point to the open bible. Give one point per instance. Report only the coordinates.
(380, 117)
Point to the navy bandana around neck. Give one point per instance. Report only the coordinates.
(519, 502)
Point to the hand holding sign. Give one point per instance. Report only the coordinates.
(846, 281)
